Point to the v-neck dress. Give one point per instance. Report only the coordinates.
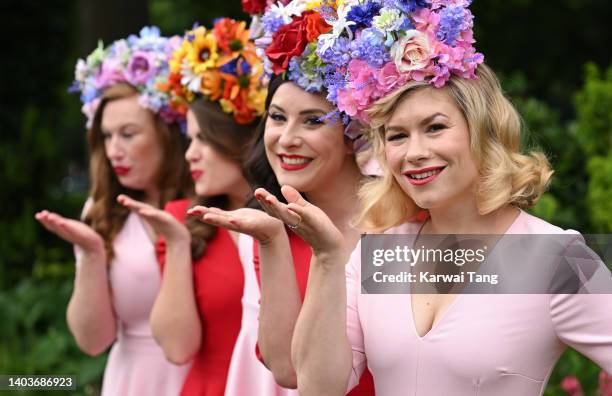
(136, 365)
(487, 344)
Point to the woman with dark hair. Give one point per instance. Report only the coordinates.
(301, 142)
(197, 315)
(135, 144)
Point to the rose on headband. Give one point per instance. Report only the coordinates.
(411, 52)
(291, 39)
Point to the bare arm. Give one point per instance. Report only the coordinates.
(280, 296)
(90, 314)
(279, 310)
(320, 350)
(321, 354)
(174, 320)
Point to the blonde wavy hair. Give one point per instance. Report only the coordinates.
(507, 176)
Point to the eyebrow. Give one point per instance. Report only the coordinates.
(424, 121)
(303, 112)
(121, 126)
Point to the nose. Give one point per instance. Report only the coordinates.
(417, 149)
(289, 137)
(192, 154)
(114, 148)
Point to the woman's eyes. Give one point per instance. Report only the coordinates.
(436, 127)
(396, 136)
(277, 117)
(314, 121)
(310, 121)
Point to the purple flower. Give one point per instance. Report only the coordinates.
(453, 19)
(338, 55)
(272, 22)
(140, 68)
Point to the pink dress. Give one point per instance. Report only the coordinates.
(247, 375)
(136, 365)
(502, 344)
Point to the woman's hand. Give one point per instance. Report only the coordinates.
(73, 231)
(306, 220)
(162, 222)
(248, 221)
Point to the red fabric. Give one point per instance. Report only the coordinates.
(302, 253)
(218, 285)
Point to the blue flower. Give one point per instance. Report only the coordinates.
(406, 6)
(362, 15)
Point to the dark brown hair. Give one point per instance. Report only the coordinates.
(105, 215)
(231, 140)
(258, 171)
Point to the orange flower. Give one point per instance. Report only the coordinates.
(315, 26)
(232, 36)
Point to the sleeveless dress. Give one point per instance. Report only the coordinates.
(301, 259)
(136, 365)
(218, 287)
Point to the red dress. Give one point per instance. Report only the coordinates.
(218, 284)
(302, 253)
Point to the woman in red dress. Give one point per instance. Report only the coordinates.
(295, 147)
(197, 314)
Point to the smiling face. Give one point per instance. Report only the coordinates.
(131, 143)
(304, 151)
(213, 173)
(427, 147)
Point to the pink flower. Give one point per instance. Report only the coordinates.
(411, 52)
(605, 384)
(389, 78)
(571, 385)
(110, 73)
(140, 68)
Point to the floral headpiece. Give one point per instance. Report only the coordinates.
(377, 46)
(222, 65)
(140, 61)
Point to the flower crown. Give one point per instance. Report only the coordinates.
(377, 46)
(222, 65)
(140, 61)
(359, 51)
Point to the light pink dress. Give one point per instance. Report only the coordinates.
(136, 364)
(247, 375)
(483, 345)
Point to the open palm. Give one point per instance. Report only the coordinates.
(253, 222)
(73, 231)
(161, 221)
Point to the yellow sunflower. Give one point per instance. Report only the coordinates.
(203, 52)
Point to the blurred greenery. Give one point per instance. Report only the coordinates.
(552, 59)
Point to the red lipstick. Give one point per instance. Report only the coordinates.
(294, 163)
(196, 174)
(433, 170)
(121, 170)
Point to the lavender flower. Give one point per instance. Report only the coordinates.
(453, 20)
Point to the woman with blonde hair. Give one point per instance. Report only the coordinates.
(449, 144)
(136, 148)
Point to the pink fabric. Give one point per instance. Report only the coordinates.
(247, 375)
(483, 345)
(136, 364)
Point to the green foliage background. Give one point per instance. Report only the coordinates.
(553, 57)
